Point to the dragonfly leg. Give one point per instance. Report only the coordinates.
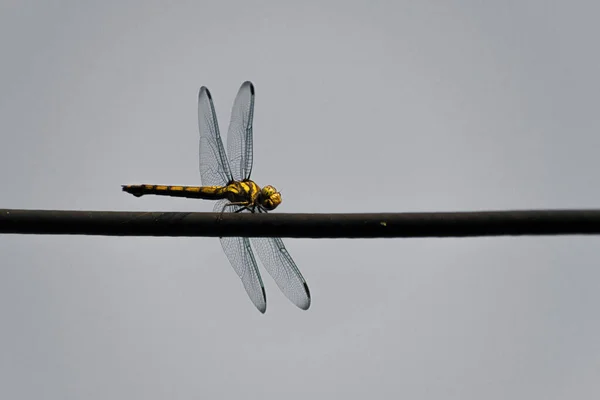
(241, 203)
(244, 205)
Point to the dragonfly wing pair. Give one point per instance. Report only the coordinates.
(219, 169)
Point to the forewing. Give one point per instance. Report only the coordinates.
(214, 167)
(278, 262)
(239, 136)
(242, 260)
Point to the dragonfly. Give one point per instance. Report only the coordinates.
(225, 177)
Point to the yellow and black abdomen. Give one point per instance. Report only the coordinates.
(192, 192)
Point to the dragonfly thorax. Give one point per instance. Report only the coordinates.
(248, 193)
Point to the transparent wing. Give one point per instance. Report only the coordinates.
(214, 167)
(242, 260)
(239, 136)
(278, 262)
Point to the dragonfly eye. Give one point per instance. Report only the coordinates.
(270, 197)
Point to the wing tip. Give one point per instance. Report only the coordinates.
(249, 84)
(263, 307)
(205, 90)
(306, 305)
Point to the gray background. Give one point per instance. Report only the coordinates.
(361, 107)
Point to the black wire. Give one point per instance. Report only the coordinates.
(373, 225)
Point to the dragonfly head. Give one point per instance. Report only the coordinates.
(269, 197)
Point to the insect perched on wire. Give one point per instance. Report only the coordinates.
(227, 180)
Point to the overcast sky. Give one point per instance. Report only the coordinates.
(360, 107)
